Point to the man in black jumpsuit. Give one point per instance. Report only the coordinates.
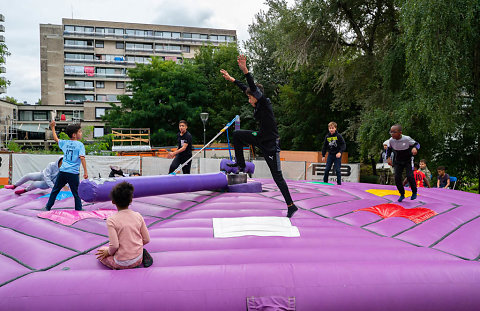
(266, 138)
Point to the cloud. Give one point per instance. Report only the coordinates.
(183, 14)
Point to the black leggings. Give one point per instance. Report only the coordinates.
(177, 161)
(272, 157)
(399, 166)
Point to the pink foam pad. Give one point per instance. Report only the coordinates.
(70, 217)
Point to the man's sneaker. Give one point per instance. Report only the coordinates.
(20, 191)
(11, 187)
(400, 199)
(291, 210)
(414, 196)
(147, 259)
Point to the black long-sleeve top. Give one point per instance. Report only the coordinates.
(334, 143)
(263, 112)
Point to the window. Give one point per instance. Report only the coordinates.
(222, 38)
(25, 115)
(101, 97)
(100, 30)
(186, 49)
(75, 84)
(195, 36)
(119, 31)
(230, 38)
(70, 28)
(77, 56)
(100, 84)
(204, 37)
(40, 116)
(109, 31)
(213, 37)
(79, 43)
(175, 35)
(98, 132)
(167, 34)
(187, 35)
(99, 113)
(120, 45)
(88, 29)
(130, 32)
(120, 85)
(175, 48)
(99, 44)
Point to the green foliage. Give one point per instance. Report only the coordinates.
(3, 53)
(13, 146)
(163, 94)
(226, 100)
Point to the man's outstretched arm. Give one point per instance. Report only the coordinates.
(227, 77)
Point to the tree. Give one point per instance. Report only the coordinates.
(3, 53)
(227, 100)
(163, 94)
(442, 47)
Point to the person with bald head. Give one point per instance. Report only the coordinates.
(403, 148)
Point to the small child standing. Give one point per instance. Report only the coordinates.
(127, 233)
(336, 145)
(74, 154)
(443, 180)
(424, 169)
(41, 180)
(420, 178)
(403, 147)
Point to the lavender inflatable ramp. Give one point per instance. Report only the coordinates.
(349, 247)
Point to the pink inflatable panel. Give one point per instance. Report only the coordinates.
(349, 256)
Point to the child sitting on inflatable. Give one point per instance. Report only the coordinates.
(127, 233)
(41, 180)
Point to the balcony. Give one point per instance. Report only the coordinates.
(95, 61)
(73, 88)
(2, 18)
(75, 101)
(139, 50)
(3, 70)
(2, 28)
(2, 38)
(78, 47)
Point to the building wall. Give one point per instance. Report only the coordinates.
(51, 64)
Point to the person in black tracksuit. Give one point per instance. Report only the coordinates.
(266, 138)
(184, 151)
(335, 144)
(404, 147)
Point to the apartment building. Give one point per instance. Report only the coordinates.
(84, 65)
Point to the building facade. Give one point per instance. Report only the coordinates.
(84, 64)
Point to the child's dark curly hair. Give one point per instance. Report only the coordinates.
(122, 194)
(72, 129)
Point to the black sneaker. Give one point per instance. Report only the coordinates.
(291, 210)
(147, 259)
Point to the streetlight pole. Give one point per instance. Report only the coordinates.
(204, 117)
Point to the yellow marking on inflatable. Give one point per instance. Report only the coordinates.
(384, 192)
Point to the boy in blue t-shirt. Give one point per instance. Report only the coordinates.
(74, 154)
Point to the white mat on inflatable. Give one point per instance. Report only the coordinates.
(259, 226)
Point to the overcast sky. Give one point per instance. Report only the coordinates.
(23, 17)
